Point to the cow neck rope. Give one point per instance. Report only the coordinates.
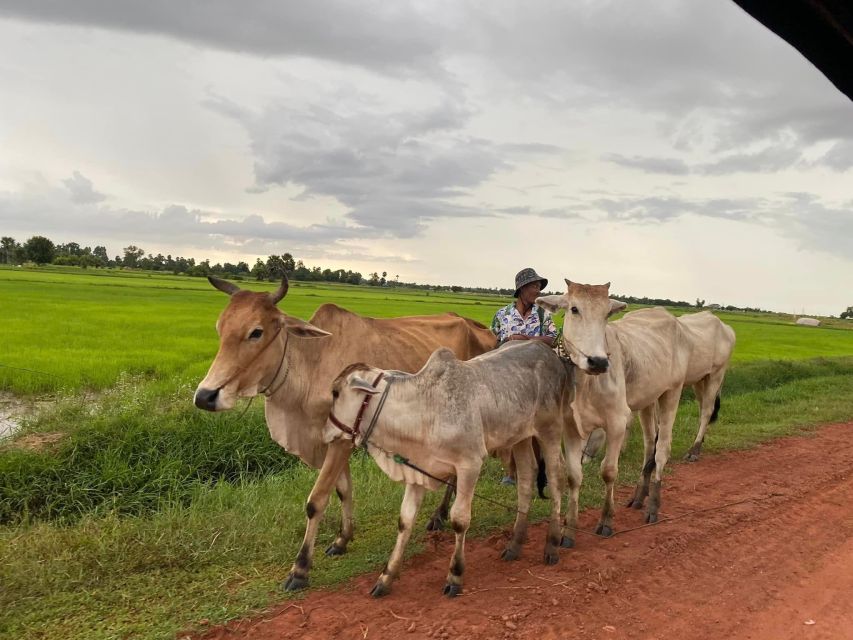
(267, 391)
(574, 346)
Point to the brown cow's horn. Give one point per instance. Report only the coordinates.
(279, 293)
(568, 282)
(223, 285)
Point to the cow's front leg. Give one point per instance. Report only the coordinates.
(336, 459)
(574, 455)
(412, 498)
(343, 488)
(460, 520)
(525, 464)
(439, 516)
(616, 428)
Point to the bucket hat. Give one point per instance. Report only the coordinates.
(526, 276)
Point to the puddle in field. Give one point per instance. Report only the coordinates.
(14, 410)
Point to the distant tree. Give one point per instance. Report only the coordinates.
(7, 249)
(374, 279)
(700, 303)
(848, 313)
(40, 250)
(89, 260)
(275, 268)
(289, 264)
(382, 280)
(260, 270)
(132, 255)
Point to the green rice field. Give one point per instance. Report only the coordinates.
(141, 517)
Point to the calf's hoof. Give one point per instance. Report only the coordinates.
(452, 590)
(335, 550)
(604, 531)
(295, 583)
(651, 518)
(380, 589)
(436, 523)
(551, 558)
(691, 456)
(567, 542)
(510, 554)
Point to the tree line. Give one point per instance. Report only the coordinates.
(41, 250)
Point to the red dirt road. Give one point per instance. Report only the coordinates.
(777, 565)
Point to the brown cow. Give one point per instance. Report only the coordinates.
(293, 363)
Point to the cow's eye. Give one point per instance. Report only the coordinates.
(335, 393)
(575, 311)
(256, 334)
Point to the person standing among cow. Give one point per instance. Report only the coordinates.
(523, 320)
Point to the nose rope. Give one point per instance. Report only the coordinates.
(575, 347)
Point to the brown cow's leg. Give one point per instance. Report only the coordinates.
(460, 520)
(616, 426)
(667, 406)
(343, 487)
(649, 425)
(525, 465)
(336, 459)
(412, 498)
(574, 453)
(439, 516)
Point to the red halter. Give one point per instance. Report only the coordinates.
(355, 430)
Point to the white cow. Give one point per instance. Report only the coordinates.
(633, 364)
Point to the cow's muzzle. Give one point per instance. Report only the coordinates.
(597, 364)
(206, 398)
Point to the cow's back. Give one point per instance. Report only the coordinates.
(712, 344)
(654, 352)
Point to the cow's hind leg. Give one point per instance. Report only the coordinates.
(412, 498)
(343, 487)
(525, 465)
(649, 426)
(708, 394)
(439, 516)
(333, 466)
(616, 427)
(460, 520)
(667, 407)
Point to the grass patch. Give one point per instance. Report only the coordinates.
(221, 551)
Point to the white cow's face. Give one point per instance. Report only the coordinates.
(587, 308)
(351, 388)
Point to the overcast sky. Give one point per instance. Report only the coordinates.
(676, 149)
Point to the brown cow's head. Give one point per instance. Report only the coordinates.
(253, 335)
(587, 308)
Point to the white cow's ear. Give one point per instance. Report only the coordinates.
(363, 385)
(303, 329)
(552, 303)
(616, 306)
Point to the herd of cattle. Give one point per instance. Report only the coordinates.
(437, 398)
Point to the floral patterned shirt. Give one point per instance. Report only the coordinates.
(508, 322)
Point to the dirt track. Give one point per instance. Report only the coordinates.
(777, 565)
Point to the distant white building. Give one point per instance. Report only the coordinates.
(809, 322)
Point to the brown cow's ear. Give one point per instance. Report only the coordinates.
(279, 293)
(302, 329)
(616, 306)
(362, 385)
(223, 285)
